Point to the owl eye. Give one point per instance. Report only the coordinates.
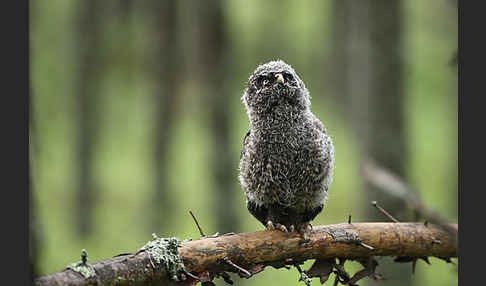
(288, 77)
(263, 81)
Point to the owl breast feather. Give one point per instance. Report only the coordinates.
(289, 166)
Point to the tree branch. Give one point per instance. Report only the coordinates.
(255, 250)
(393, 185)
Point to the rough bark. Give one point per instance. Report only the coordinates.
(255, 250)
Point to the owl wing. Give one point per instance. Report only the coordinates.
(318, 124)
(245, 143)
(328, 167)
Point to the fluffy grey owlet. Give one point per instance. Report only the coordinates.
(286, 162)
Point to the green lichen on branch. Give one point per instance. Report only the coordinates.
(164, 251)
(343, 235)
(82, 267)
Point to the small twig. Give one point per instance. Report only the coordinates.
(197, 224)
(366, 245)
(296, 265)
(153, 266)
(393, 185)
(226, 278)
(341, 272)
(426, 259)
(436, 241)
(447, 259)
(303, 276)
(336, 279)
(191, 275)
(375, 204)
(84, 256)
(228, 261)
(151, 263)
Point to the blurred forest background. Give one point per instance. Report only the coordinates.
(136, 117)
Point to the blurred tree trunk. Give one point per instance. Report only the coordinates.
(374, 89)
(33, 236)
(89, 37)
(455, 61)
(338, 67)
(124, 8)
(34, 227)
(212, 52)
(165, 69)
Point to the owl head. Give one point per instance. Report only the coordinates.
(275, 84)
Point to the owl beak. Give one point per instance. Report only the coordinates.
(280, 78)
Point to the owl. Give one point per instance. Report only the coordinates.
(287, 158)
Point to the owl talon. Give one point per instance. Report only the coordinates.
(303, 228)
(270, 225)
(305, 238)
(282, 227)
